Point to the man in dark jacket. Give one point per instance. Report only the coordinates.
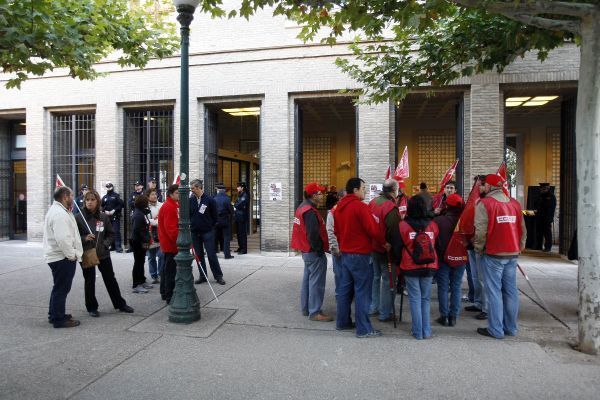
(152, 184)
(545, 207)
(310, 237)
(241, 218)
(203, 219)
(112, 204)
(224, 212)
(79, 199)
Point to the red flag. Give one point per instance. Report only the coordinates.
(177, 180)
(388, 172)
(403, 169)
(502, 173)
(448, 176)
(59, 182)
(466, 224)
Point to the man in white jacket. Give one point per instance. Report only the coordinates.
(62, 250)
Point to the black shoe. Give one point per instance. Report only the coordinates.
(237, 250)
(242, 252)
(94, 313)
(126, 309)
(547, 250)
(199, 281)
(481, 316)
(442, 320)
(70, 323)
(451, 320)
(229, 258)
(472, 308)
(305, 313)
(346, 328)
(220, 281)
(485, 332)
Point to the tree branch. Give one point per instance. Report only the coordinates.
(546, 23)
(533, 7)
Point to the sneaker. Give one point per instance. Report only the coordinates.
(373, 333)
(155, 281)
(146, 285)
(320, 317)
(69, 323)
(139, 289)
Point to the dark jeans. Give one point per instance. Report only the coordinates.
(139, 259)
(544, 234)
(471, 294)
(207, 241)
(167, 276)
(63, 272)
(116, 224)
(112, 287)
(223, 236)
(242, 236)
(356, 278)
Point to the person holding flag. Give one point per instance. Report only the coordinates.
(447, 188)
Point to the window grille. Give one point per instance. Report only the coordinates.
(74, 149)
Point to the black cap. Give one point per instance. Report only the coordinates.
(83, 187)
(241, 184)
(152, 180)
(108, 185)
(544, 184)
(138, 183)
(220, 185)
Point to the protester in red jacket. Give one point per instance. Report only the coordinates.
(354, 228)
(168, 229)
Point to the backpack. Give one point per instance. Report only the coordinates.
(456, 252)
(423, 251)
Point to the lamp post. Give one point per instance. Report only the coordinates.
(185, 305)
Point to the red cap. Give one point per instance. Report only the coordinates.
(454, 200)
(401, 183)
(313, 188)
(494, 180)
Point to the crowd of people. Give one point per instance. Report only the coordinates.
(85, 229)
(396, 241)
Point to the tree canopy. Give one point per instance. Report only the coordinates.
(37, 36)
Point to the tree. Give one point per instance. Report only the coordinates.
(37, 36)
(405, 44)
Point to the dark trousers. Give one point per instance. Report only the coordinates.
(242, 236)
(223, 237)
(207, 241)
(544, 234)
(116, 224)
(63, 272)
(471, 294)
(167, 276)
(356, 280)
(112, 287)
(139, 259)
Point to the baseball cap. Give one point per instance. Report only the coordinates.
(494, 180)
(454, 200)
(313, 188)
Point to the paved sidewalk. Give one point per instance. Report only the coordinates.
(255, 344)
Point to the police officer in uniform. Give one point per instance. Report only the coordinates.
(153, 184)
(545, 207)
(112, 204)
(139, 190)
(79, 199)
(241, 217)
(224, 212)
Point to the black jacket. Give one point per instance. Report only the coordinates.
(112, 201)
(545, 207)
(241, 206)
(132, 198)
(446, 224)
(139, 230)
(101, 227)
(203, 214)
(224, 209)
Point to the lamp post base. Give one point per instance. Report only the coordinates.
(185, 305)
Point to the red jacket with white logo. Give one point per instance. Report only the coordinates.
(504, 226)
(407, 233)
(402, 205)
(354, 225)
(168, 226)
(380, 211)
(299, 233)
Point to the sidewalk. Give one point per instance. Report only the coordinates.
(255, 344)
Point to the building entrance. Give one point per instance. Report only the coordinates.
(13, 178)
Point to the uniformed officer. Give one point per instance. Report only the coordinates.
(139, 190)
(112, 204)
(545, 207)
(224, 212)
(241, 217)
(153, 184)
(79, 199)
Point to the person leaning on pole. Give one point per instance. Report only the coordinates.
(500, 236)
(62, 250)
(310, 237)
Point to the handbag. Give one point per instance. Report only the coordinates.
(90, 258)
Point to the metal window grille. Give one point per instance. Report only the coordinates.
(74, 149)
(148, 148)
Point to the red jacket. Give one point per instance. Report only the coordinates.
(168, 226)
(354, 226)
(300, 239)
(504, 226)
(407, 234)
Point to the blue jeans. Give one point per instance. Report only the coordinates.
(63, 272)
(381, 298)
(471, 294)
(503, 296)
(356, 279)
(154, 269)
(480, 298)
(449, 281)
(206, 241)
(312, 291)
(419, 290)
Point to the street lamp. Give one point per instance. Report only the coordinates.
(185, 305)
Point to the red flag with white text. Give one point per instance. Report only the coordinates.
(388, 172)
(177, 180)
(59, 182)
(502, 173)
(403, 169)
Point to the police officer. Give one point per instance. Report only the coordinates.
(153, 184)
(139, 190)
(224, 212)
(241, 217)
(545, 207)
(112, 204)
(79, 199)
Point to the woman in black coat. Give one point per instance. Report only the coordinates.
(140, 242)
(101, 237)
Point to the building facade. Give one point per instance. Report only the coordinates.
(267, 109)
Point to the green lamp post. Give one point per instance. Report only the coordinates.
(185, 305)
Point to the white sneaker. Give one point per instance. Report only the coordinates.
(147, 285)
(139, 289)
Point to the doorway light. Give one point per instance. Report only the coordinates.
(513, 103)
(521, 99)
(242, 111)
(532, 103)
(528, 101)
(544, 98)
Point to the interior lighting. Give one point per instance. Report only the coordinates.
(241, 109)
(513, 103)
(532, 103)
(544, 98)
(521, 99)
(244, 113)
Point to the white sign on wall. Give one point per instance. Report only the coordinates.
(374, 190)
(275, 191)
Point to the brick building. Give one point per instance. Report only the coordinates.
(266, 109)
